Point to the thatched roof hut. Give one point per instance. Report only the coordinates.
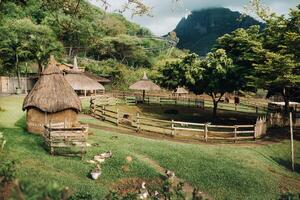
(144, 85)
(180, 91)
(81, 83)
(99, 79)
(52, 99)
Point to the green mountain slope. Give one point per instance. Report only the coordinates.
(200, 30)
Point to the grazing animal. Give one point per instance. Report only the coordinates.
(197, 194)
(144, 194)
(95, 173)
(106, 154)
(170, 175)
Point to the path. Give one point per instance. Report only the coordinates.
(187, 188)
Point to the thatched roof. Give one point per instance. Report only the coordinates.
(79, 81)
(144, 84)
(52, 93)
(181, 90)
(99, 79)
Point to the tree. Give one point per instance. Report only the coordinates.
(14, 45)
(23, 40)
(215, 76)
(279, 72)
(43, 43)
(245, 48)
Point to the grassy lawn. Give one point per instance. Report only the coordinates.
(224, 171)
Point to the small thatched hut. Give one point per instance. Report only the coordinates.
(180, 91)
(144, 85)
(52, 100)
(82, 84)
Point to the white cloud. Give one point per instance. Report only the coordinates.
(166, 14)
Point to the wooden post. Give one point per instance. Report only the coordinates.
(103, 113)
(138, 122)
(117, 120)
(292, 142)
(172, 128)
(206, 132)
(235, 134)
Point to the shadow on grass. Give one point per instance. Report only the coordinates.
(287, 164)
(21, 123)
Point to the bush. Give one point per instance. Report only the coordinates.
(7, 171)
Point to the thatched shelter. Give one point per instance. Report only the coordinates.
(100, 79)
(180, 91)
(82, 84)
(144, 85)
(52, 100)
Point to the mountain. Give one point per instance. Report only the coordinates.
(199, 31)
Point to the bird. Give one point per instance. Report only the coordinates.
(105, 155)
(143, 192)
(95, 173)
(170, 175)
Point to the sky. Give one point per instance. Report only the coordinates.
(167, 14)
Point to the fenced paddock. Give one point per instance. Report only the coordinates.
(65, 141)
(201, 131)
(131, 98)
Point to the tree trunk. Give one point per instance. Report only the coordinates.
(18, 71)
(215, 109)
(41, 67)
(286, 101)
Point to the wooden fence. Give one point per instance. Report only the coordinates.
(189, 102)
(202, 131)
(65, 141)
(245, 105)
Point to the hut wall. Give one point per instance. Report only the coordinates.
(8, 85)
(36, 119)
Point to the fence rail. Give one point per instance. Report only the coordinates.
(133, 98)
(203, 131)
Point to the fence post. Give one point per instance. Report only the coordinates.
(206, 132)
(235, 134)
(103, 113)
(172, 128)
(138, 121)
(117, 120)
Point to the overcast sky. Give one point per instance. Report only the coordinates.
(167, 14)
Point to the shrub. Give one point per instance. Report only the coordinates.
(7, 171)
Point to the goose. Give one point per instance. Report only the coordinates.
(143, 192)
(170, 175)
(95, 173)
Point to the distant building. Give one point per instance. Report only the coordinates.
(9, 85)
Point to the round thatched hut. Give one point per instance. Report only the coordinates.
(82, 84)
(180, 91)
(144, 85)
(52, 100)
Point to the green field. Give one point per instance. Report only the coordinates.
(223, 171)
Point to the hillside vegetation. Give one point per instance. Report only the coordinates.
(200, 30)
(31, 30)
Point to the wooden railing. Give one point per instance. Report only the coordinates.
(65, 141)
(202, 131)
(115, 99)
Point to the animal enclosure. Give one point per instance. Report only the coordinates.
(200, 131)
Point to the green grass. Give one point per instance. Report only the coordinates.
(224, 171)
